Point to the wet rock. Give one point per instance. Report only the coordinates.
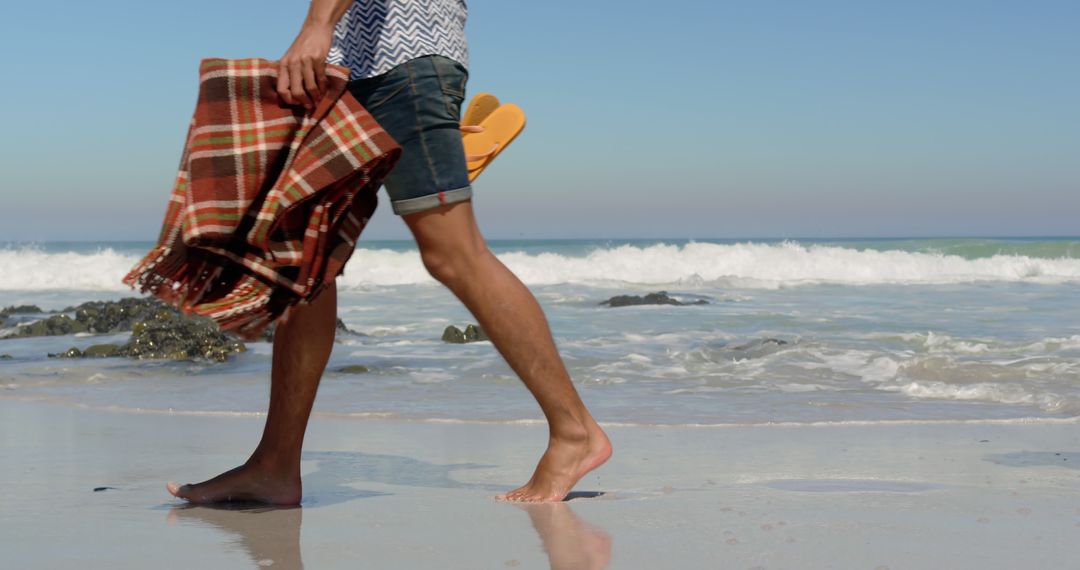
(119, 316)
(454, 335)
(91, 317)
(474, 333)
(180, 338)
(658, 298)
(52, 326)
(69, 353)
(5, 357)
(268, 333)
(757, 348)
(101, 350)
(19, 310)
(354, 369)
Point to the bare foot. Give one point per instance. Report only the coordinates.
(564, 463)
(249, 482)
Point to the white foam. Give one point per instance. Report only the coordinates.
(693, 265)
(984, 391)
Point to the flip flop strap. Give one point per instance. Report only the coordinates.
(483, 155)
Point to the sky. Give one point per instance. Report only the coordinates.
(681, 119)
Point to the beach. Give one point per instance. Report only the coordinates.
(908, 403)
(408, 494)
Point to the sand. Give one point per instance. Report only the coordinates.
(399, 494)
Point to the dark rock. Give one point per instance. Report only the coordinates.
(658, 298)
(119, 316)
(52, 326)
(93, 317)
(180, 338)
(757, 348)
(474, 333)
(5, 357)
(69, 353)
(101, 350)
(100, 489)
(268, 333)
(20, 310)
(354, 369)
(454, 335)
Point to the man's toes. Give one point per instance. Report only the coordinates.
(173, 489)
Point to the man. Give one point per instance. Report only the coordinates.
(408, 69)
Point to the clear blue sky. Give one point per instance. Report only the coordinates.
(646, 119)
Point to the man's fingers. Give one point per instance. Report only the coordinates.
(283, 84)
(320, 77)
(310, 84)
(296, 84)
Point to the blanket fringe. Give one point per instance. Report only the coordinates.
(203, 284)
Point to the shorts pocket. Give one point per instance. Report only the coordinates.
(452, 76)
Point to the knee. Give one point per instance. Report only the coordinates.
(451, 265)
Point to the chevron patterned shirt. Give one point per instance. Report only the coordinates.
(375, 35)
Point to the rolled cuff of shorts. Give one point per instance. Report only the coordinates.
(414, 205)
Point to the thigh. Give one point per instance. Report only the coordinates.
(419, 104)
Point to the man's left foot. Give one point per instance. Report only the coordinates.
(564, 463)
(247, 483)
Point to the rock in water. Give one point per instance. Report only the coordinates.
(101, 350)
(69, 353)
(658, 298)
(454, 335)
(474, 333)
(19, 310)
(757, 348)
(180, 338)
(118, 316)
(92, 317)
(342, 328)
(53, 326)
(354, 369)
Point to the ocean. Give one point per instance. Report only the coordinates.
(795, 331)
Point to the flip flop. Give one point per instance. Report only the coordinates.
(480, 106)
(483, 142)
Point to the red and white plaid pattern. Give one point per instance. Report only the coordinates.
(269, 200)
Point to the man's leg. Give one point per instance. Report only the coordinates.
(454, 252)
(302, 347)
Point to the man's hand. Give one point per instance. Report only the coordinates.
(302, 70)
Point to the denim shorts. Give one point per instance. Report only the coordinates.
(419, 104)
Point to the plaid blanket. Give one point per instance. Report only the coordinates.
(269, 199)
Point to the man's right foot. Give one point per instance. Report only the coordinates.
(247, 483)
(564, 463)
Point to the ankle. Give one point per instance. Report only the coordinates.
(277, 464)
(576, 430)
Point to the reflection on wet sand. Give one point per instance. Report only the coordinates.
(273, 540)
(569, 541)
(270, 536)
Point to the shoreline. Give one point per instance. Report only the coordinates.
(395, 417)
(408, 494)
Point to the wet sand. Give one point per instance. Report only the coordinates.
(399, 494)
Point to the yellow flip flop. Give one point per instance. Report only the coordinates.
(484, 141)
(480, 106)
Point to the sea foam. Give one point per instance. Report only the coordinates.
(688, 266)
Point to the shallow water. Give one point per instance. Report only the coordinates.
(854, 330)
